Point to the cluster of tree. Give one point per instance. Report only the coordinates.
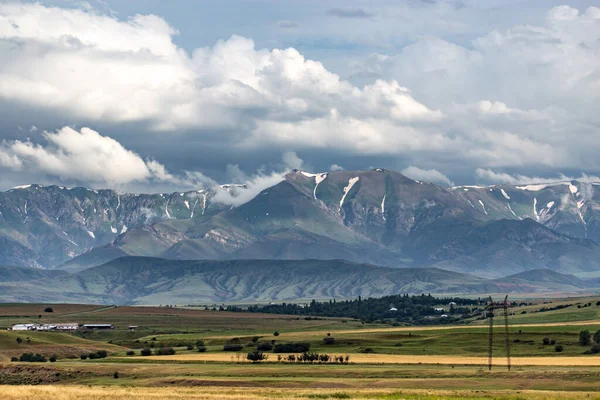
(164, 351)
(94, 356)
(30, 357)
(585, 337)
(400, 308)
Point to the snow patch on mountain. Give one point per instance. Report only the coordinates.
(505, 194)
(483, 206)
(572, 188)
(347, 189)
(91, 234)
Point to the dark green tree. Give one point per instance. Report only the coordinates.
(585, 338)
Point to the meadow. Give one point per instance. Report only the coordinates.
(385, 362)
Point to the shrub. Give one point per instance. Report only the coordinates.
(597, 337)
(400, 344)
(366, 350)
(291, 347)
(275, 333)
(232, 347)
(553, 342)
(102, 353)
(165, 351)
(257, 356)
(201, 349)
(200, 343)
(255, 339)
(83, 356)
(19, 340)
(546, 341)
(52, 358)
(328, 340)
(14, 359)
(595, 349)
(558, 348)
(29, 357)
(130, 353)
(116, 375)
(48, 309)
(146, 352)
(584, 338)
(264, 346)
(190, 347)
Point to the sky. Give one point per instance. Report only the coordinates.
(150, 95)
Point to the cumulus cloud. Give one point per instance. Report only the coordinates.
(86, 157)
(335, 167)
(83, 155)
(427, 175)
(510, 98)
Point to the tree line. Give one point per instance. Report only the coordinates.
(416, 309)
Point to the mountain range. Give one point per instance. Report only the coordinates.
(378, 217)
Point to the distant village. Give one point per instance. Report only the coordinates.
(64, 327)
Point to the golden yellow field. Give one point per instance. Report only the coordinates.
(203, 393)
(358, 358)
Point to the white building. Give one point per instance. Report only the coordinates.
(67, 327)
(393, 309)
(24, 327)
(438, 309)
(46, 327)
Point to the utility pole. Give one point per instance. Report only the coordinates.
(490, 309)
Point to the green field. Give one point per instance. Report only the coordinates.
(385, 362)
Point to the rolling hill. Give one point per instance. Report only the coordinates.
(143, 280)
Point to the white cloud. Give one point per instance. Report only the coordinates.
(292, 161)
(489, 176)
(427, 175)
(511, 98)
(84, 156)
(335, 167)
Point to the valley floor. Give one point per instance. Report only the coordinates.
(434, 362)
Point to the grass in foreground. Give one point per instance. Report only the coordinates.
(203, 393)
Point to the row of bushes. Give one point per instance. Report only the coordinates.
(312, 358)
(94, 356)
(306, 357)
(163, 351)
(30, 357)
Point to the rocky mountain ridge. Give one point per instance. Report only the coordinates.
(376, 216)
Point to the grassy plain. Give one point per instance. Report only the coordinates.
(386, 362)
